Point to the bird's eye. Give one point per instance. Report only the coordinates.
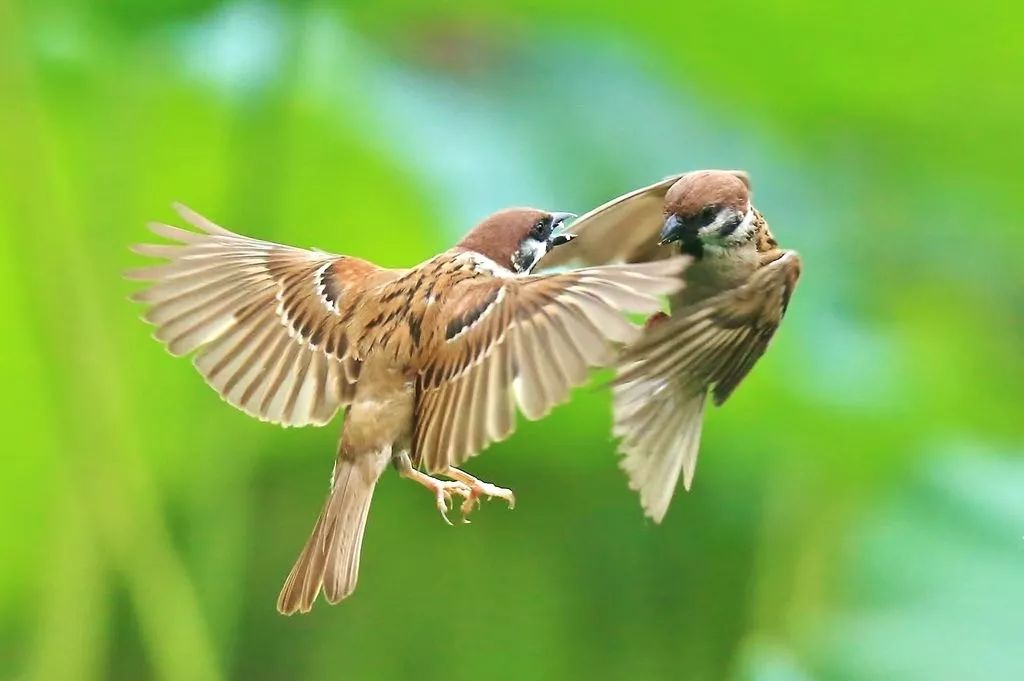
(541, 229)
(707, 215)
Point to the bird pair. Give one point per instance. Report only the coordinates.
(432, 363)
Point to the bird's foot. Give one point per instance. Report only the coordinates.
(479, 489)
(443, 491)
(486, 489)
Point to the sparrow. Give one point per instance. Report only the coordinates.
(736, 291)
(429, 363)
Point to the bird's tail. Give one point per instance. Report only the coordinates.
(659, 420)
(330, 559)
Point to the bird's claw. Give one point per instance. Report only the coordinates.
(444, 491)
(481, 489)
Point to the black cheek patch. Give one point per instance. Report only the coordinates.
(519, 263)
(730, 226)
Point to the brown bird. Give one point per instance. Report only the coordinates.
(736, 292)
(430, 362)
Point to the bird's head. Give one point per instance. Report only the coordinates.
(708, 208)
(517, 238)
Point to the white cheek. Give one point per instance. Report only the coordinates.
(540, 249)
(746, 227)
(533, 251)
(709, 234)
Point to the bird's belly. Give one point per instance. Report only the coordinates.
(381, 415)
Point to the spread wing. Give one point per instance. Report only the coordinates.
(523, 341)
(664, 378)
(270, 322)
(624, 229)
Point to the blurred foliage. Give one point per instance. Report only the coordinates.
(858, 508)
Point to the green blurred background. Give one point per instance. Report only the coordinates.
(858, 511)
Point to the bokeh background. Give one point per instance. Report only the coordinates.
(858, 510)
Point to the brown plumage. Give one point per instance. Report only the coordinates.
(431, 363)
(736, 292)
(704, 188)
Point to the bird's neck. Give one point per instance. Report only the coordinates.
(763, 238)
(719, 268)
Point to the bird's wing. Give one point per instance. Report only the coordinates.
(624, 229)
(526, 341)
(717, 341)
(270, 322)
(662, 381)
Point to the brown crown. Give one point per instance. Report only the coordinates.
(701, 188)
(500, 235)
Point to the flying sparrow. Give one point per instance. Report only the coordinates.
(735, 295)
(430, 362)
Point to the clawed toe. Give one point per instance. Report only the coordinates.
(480, 489)
(443, 492)
(461, 484)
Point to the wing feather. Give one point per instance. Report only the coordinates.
(624, 229)
(663, 380)
(264, 334)
(529, 349)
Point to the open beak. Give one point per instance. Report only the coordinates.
(558, 218)
(672, 230)
(556, 221)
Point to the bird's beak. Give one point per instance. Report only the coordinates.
(556, 221)
(672, 230)
(558, 218)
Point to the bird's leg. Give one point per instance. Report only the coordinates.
(477, 489)
(442, 489)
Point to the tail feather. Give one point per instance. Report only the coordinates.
(330, 559)
(659, 422)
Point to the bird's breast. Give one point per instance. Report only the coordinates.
(719, 269)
